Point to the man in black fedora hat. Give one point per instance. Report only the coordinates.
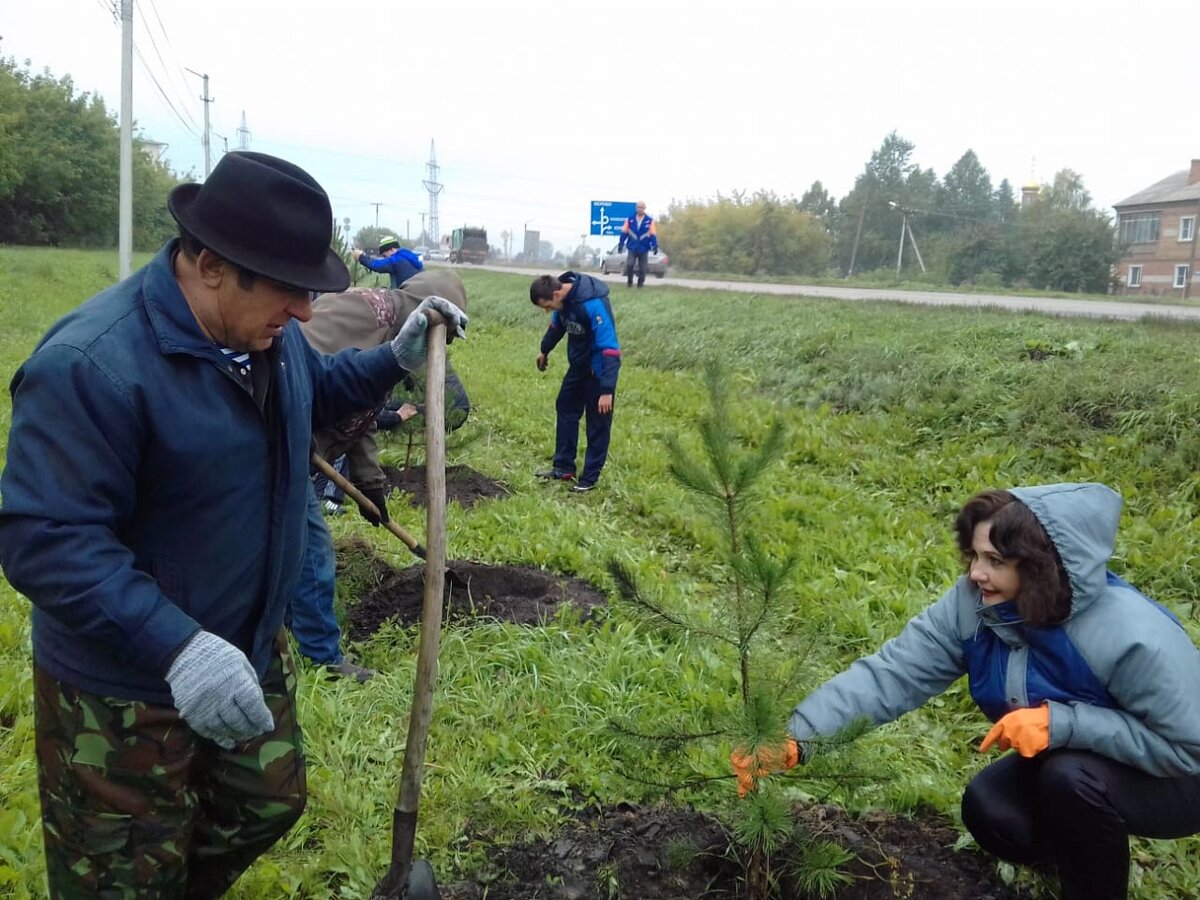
(154, 510)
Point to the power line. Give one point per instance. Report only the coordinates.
(165, 68)
(167, 100)
(111, 7)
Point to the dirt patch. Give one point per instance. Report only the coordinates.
(520, 594)
(680, 854)
(900, 857)
(464, 485)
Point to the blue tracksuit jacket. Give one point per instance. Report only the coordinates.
(587, 320)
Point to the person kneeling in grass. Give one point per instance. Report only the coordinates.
(1090, 682)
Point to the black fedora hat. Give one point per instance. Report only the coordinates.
(267, 216)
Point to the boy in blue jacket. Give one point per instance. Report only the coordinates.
(579, 308)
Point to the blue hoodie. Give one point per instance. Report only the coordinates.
(587, 319)
(1121, 676)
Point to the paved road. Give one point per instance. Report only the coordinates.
(1099, 309)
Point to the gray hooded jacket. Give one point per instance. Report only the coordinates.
(1120, 675)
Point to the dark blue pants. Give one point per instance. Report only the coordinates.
(580, 395)
(635, 261)
(1074, 811)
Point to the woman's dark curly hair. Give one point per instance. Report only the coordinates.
(1044, 596)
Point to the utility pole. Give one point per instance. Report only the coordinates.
(207, 139)
(125, 177)
(862, 215)
(913, 240)
(900, 254)
(377, 205)
(424, 234)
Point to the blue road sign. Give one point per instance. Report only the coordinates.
(609, 215)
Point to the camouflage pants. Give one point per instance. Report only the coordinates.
(135, 804)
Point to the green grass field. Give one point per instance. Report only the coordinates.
(895, 415)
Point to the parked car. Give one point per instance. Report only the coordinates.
(614, 262)
(437, 255)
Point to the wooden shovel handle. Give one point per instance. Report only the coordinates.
(361, 499)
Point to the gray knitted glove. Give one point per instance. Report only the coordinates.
(217, 692)
(409, 344)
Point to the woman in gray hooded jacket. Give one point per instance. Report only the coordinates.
(1094, 685)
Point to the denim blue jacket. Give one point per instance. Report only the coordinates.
(145, 495)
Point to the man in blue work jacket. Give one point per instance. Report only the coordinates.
(154, 513)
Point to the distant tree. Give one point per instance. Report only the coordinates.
(817, 202)
(871, 227)
(153, 224)
(369, 237)
(1006, 203)
(1061, 242)
(59, 174)
(1067, 192)
(967, 190)
(758, 235)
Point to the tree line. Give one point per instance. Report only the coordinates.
(59, 180)
(958, 229)
(59, 154)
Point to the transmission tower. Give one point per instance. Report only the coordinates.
(434, 187)
(243, 134)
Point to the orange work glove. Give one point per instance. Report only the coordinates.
(766, 760)
(1025, 730)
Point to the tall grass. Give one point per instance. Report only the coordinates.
(897, 414)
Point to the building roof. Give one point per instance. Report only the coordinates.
(1171, 189)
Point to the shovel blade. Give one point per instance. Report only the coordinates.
(421, 885)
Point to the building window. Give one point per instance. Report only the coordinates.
(1181, 275)
(1135, 276)
(1140, 228)
(1187, 227)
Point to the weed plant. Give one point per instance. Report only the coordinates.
(894, 415)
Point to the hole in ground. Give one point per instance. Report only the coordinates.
(464, 485)
(521, 594)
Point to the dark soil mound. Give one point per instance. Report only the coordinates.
(899, 857)
(520, 594)
(464, 485)
(680, 854)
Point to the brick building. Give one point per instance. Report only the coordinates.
(1156, 231)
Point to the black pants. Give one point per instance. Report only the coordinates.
(635, 261)
(1074, 811)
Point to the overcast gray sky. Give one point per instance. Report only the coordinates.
(539, 107)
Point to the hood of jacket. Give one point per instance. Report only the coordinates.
(586, 287)
(1081, 520)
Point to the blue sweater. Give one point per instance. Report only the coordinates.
(145, 495)
(587, 319)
